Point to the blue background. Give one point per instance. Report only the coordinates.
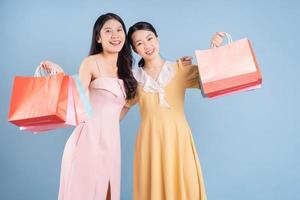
(248, 143)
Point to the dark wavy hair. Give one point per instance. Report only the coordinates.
(125, 59)
(137, 27)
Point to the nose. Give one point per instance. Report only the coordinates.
(146, 46)
(115, 34)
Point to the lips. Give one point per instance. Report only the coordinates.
(115, 42)
(150, 52)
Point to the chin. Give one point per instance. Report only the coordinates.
(150, 57)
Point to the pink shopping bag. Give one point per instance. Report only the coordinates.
(228, 69)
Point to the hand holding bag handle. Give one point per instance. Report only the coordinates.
(227, 35)
(47, 68)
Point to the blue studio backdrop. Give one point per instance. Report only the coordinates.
(248, 143)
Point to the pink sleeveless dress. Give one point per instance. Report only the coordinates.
(91, 159)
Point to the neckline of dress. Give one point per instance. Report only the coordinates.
(159, 74)
(106, 77)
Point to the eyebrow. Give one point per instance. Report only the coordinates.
(112, 28)
(150, 34)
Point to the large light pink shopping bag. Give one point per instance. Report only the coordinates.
(228, 69)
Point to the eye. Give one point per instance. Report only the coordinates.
(138, 44)
(120, 30)
(150, 38)
(108, 31)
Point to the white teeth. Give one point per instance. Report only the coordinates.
(115, 42)
(150, 52)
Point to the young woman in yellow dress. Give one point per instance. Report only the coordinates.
(166, 164)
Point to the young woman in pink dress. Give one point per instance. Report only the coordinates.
(91, 161)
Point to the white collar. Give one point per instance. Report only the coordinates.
(156, 86)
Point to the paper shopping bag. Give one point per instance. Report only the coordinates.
(82, 104)
(228, 69)
(78, 109)
(39, 100)
(70, 120)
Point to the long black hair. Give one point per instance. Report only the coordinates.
(136, 27)
(124, 62)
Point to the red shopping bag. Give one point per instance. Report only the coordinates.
(70, 120)
(78, 109)
(37, 100)
(228, 69)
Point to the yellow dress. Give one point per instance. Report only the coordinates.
(166, 164)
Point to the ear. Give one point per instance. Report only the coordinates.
(99, 40)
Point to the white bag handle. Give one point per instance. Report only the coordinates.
(40, 71)
(229, 39)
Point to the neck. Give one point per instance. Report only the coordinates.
(154, 63)
(112, 58)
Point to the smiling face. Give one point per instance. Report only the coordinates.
(146, 44)
(112, 36)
